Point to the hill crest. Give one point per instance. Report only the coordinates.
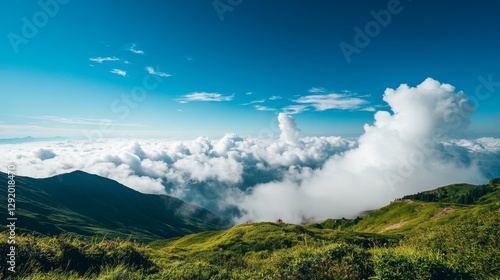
(87, 204)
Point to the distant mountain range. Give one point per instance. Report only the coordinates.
(90, 205)
(29, 139)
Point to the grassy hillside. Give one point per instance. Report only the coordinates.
(415, 212)
(408, 239)
(90, 205)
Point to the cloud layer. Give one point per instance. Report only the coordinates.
(409, 149)
(403, 152)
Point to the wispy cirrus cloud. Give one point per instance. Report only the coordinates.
(81, 121)
(152, 71)
(254, 102)
(338, 101)
(103, 59)
(134, 50)
(120, 72)
(70, 120)
(317, 90)
(275, 97)
(205, 97)
(263, 108)
(294, 109)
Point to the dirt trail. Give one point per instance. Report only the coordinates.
(443, 212)
(394, 226)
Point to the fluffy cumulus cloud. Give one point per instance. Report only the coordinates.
(213, 173)
(404, 151)
(408, 149)
(289, 131)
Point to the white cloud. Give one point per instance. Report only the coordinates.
(317, 90)
(263, 108)
(254, 102)
(82, 121)
(287, 176)
(102, 59)
(401, 153)
(152, 71)
(329, 101)
(274, 97)
(294, 109)
(249, 93)
(205, 97)
(288, 128)
(71, 120)
(119, 72)
(202, 171)
(134, 50)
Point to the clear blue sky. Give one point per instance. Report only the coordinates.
(86, 56)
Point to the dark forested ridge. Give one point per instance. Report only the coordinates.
(89, 205)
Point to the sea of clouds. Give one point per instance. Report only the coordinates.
(409, 149)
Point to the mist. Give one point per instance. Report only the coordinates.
(407, 149)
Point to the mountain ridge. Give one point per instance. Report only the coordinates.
(87, 204)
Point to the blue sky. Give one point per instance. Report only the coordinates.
(181, 69)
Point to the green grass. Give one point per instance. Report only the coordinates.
(436, 240)
(73, 256)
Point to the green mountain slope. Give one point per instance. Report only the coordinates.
(448, 204)
(411, 238)
(90, 205)
(407, 239)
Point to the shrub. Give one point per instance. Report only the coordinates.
(337, 261)
(74, 255)
(409, 263)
